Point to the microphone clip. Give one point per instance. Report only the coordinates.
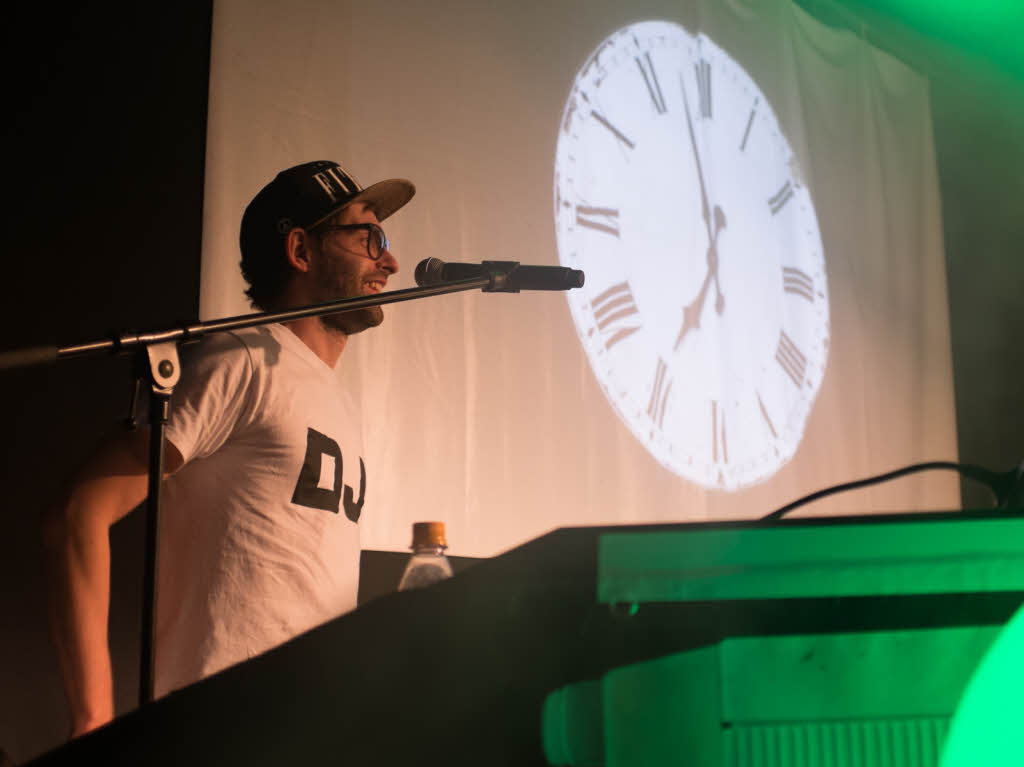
(499, 272)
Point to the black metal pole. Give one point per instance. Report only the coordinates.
(159, 408)
(163, 370)
(199, 329)
(39, 355)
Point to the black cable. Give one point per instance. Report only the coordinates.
(1003, 485)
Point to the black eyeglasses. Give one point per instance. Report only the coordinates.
(376, 240)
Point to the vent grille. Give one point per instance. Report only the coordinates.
(911, 742)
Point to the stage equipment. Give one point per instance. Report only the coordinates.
(570, 607)
(861, 696)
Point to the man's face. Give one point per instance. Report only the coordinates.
(342, 269)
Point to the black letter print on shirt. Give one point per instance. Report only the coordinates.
(353, 509)
(309, 490)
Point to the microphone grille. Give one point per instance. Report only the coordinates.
(428, 272)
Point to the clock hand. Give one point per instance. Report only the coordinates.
(719, 225)
(705, 207)
(693, 310)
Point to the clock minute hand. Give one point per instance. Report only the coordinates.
(705, 207)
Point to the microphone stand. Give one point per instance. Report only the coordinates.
(157, 362)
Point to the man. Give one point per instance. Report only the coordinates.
(259, 534)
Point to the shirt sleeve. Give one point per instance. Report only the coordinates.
(213, 397)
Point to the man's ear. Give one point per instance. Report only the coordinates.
(298, 249)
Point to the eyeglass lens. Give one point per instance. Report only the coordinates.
(376, 242)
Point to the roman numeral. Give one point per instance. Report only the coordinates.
(764, 414)
(750, 123)
(651, 80)
(615, 131)
(602, 219)
(703, 72)
(659, 394)
(790, 358)
(780, 198)
(718, 444)
(616, 314)
(795, 281)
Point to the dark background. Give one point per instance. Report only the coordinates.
(104, 147)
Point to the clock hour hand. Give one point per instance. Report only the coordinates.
(719, 225)
(693, 310)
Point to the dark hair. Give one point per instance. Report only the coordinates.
(265, 265)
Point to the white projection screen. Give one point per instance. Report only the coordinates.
(815, 215)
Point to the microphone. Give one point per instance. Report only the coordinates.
(506, 276)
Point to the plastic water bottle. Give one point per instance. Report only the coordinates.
(428, 564)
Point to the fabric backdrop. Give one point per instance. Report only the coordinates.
(482, 410)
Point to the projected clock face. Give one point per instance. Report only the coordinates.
(705, 311)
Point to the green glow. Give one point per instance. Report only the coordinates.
(986, 728)
(572, 728)
(956, 18)
(924, 556)
(874, 699)
(990, 28)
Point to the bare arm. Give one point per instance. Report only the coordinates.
(78, 564)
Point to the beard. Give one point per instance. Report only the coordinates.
(334, 283)
(355, 321)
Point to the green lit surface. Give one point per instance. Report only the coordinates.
(887, 674)
(858, 699)
(987, 727)
(974, 15)
(864, 559)
(990, 28)
(572, 729)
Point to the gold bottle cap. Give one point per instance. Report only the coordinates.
(428, 534)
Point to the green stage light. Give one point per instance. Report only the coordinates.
(986, 728)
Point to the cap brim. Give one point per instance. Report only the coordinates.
(383, 198)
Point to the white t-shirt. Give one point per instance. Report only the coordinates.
(259, 538)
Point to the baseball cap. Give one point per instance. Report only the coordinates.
(305, 195)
